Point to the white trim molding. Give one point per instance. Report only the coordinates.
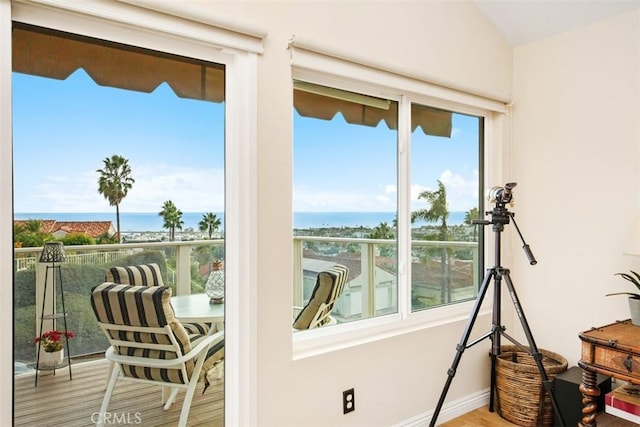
(451, 410)
(6, 211)
(184, 19)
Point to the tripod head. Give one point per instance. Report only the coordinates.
(500, 216)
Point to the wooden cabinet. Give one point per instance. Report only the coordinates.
(612, 350)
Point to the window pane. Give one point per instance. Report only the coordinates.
(77, 102)
(444, 200)
(345, 198)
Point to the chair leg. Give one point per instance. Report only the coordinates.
(186, 405)
(109, 372)
(107, 395)
(172, 396)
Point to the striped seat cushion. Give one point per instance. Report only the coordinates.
(148, 306)
(137, 275)
(148, 275)
(329, 286)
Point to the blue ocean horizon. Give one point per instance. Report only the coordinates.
(132, 222)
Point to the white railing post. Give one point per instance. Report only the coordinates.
(183, 268)
(368, 260)
(298, 279)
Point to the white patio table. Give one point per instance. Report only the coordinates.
(196, 308)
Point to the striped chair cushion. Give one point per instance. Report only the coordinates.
(138, 275)
(148, 275)
(328, 288)
(148, 306)
(195, 328)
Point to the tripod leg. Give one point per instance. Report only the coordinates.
(462, 345)
(495, 335)
(537, 356)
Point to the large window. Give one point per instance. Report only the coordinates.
(445, 188)
(361, 192)
(149, 123)
(152, 126)
(345, 206)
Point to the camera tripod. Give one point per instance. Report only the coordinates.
(499, 217)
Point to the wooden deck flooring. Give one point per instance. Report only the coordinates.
(58, 401)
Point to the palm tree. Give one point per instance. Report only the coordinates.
(172, 217)
(30, 234)
(33, 225)
(114, 183)
(468, 220)
(437, 212)
(209, 223)
(381, 231)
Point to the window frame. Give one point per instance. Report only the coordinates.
(323, 69)
(237, 47)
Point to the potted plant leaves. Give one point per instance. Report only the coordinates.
(634, 298)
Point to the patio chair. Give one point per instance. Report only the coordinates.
(329, 286)
(149, 345)
(138, 275)
(148, 275)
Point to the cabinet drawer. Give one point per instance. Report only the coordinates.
(615, 360)
(614, 348)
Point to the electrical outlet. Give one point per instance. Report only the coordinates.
(348, 401)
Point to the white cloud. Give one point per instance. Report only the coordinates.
(461, 192)
(192, 190)
(307, 199)
(461, 195)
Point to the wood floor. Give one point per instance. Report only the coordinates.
(483, 418)
(57, 401)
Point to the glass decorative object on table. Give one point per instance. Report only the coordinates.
(215, 283)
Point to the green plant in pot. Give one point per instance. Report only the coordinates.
(634, 298)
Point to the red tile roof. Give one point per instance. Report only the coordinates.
(90, 228)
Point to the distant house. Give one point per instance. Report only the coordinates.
(60, 229)
(350, 304)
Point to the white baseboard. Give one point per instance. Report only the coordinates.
(450, 410)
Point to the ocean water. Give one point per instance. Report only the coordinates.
(147, 221)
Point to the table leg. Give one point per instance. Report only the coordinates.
(590, 392)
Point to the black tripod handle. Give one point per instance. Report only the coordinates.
(530, 257)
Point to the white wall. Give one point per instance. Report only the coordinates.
(575, 157)
(397, 378)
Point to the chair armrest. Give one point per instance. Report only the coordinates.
(202, 347)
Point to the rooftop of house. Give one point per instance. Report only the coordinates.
(90, 228)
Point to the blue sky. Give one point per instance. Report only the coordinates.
(337, 164)
(64, 129)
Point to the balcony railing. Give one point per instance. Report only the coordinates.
(185, 266)
(442, 273)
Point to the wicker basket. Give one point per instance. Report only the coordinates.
(520, 395)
